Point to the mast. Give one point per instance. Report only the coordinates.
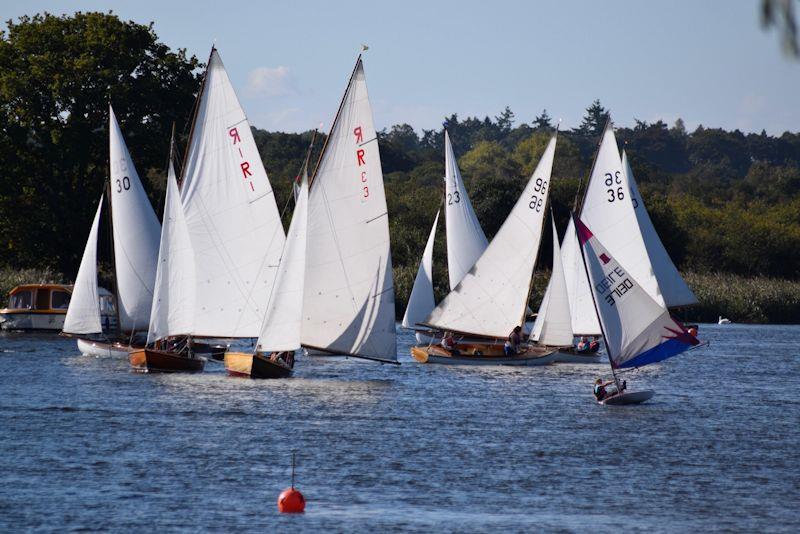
(596, 309)
(333, 124)
(195, 110)
(591, 171)
(114, 287)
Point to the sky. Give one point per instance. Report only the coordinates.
(708, 62)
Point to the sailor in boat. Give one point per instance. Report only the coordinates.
(449, 343)
(594, 344)
(285, 357)
(600, 391)
(511, 347)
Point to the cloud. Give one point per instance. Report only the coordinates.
(269, 82)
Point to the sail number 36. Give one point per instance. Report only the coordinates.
(610, 181)
(537, 199)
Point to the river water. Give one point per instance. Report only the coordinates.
(88, 445)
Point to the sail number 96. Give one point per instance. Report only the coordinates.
(125, 184)
(537, 199)
(610, 181)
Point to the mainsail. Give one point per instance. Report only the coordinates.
(173, 301)
(83, 314)
(584, 316)
(348, 300)
(284, 318)
(637, 329)
(608, 210)
(421, 301)
(136, 235)
(465, 238)
(553, 326)
(673, 288)
(234, 225)
(492, 297)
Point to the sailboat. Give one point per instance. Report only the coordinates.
(280, 333)
(235, 235)
(553, 325)
(465, 244)
(637, 330)
(348, 296)
(135, 236)
(487, 303)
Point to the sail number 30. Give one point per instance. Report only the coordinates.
(125, 184)
(537, 199)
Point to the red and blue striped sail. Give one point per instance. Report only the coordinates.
(638, 330)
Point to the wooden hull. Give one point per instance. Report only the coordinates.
(634, 397)
(104, 349)
(482, 354)
(161, 361)
(255, 366)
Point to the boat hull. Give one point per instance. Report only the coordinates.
(32, 321)
(625, 398)
(104, 349)
(533, 357)
(567, 356)
(161, 361)
(248, 365)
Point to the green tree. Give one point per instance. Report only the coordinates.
(594, 121)
(57, 76)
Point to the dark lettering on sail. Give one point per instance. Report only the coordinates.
(614, 285)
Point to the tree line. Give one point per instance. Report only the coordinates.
(722, 201)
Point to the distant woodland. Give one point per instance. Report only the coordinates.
(725, 203)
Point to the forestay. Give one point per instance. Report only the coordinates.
(553, 326)
(673, 288)
(637, 329)
(136, 235)
(283, 322)
(230, 209)
(421, 301)
(348, 301)
(584, 316)
(608, 210)
(492, 298)
(465, 238)
(173, 301)
(83, 314)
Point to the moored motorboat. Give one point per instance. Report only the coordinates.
(151, 360)
(36, 307)
(482, 354)
(259, 365)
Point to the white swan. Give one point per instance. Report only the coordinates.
(723, 320)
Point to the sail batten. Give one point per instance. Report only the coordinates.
(136, 234)
(465, 238)
(232, 218)
(348, 299)
(83, 314)
(492, 297)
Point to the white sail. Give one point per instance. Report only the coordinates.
(348, 301)
(553, 326)
(83, 314)
(584, 316)
(492, 298)
(283, 322)
(465, 238)
(673, 288)
(421, 301)
(638, 330)
(230, 209)
(608, 211)
(173, 299)
(136, 235)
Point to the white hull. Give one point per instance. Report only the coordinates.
(569, 357)
(32, 321)
(533, 361)
(100, 349)
(634, 397)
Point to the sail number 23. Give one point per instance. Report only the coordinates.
(537, 199)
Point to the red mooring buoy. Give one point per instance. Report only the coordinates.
(291, 501)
